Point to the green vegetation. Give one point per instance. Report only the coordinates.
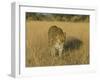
(56, 17)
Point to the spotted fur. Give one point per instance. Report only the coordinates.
(56, 38)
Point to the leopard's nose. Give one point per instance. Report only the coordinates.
(59, 44)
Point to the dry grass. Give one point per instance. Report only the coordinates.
(37, 51)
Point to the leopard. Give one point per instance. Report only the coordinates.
(56, 39)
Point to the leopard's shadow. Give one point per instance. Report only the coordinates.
(72, 43)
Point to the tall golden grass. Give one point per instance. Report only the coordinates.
(37, 51)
